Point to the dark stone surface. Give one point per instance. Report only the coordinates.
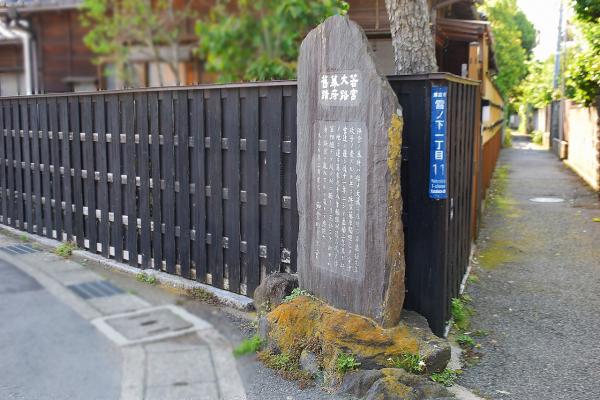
(358, 383)
(273, 289)
(391, 384)
(350, 244)
(435, 351)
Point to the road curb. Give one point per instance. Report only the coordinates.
(224, 297)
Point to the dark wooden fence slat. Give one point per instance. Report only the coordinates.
(27, 168)
(102, 167)
(250, 184)
(3, 165)
(153, 110)
(76, 162)
(183, 176)
(35, 158)
(11, 158)
(231, 131)
(65, 145)
(273, 129)
(127, 127)
(87, 123)
(114, 167)
(168, 173)
(198, 173)
(143, 164)
(290, 212)
(45, 148)
(18, 167)
(56, 163)
(215, 201)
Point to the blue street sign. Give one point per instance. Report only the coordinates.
(437, 154)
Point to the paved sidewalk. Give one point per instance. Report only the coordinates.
(51, 348)
(539, 289)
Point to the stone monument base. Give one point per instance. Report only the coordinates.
(306, 328)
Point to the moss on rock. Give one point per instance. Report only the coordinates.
(299, 323)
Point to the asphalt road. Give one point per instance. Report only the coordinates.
(47, 350)
(539, 289)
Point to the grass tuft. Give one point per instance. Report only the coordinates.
(65, 249)
(346, 362)
(145, 278)
(202, 295)
(248, 346)
(412, 363)
(447, 377)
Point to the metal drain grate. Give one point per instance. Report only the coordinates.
(88, 290)
(150, 324)
(18, 249)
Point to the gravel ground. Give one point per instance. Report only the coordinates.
(538, 295)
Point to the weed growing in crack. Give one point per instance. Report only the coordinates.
(65, 249)
(145, 278)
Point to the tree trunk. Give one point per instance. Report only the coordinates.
(414, 49)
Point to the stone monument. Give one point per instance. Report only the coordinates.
(351, 242)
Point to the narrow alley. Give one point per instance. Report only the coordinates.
(536, 293)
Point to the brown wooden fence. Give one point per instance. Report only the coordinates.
(198, 182)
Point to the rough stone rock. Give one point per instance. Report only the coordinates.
(358, 383)
(263, 331)
(435, 351)
(309, 362)
(397, 384)
(295, 324)
(391, 384)
(359, 270)
(273, 289)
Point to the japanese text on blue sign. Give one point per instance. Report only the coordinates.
(437, 157)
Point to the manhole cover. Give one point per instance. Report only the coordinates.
(88, 290)
(547, 200)
(18, 249)
(149, 324)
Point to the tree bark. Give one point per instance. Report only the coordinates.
(414, 49)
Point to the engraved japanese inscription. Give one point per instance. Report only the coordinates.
(339, 188)
(340, 88)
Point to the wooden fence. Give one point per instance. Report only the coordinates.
(199, 182)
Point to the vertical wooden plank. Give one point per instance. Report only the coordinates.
(63, 107)
(198, 173)
(55, 174)
(153, 110)
(183, 176)
(27, 161)
(215, 201)
(288, 159)
(168, 173)
(87, 123)
(102, 167)
(250, 183)
(114, 120)
(10, 198)
(231, 131)
(143, 159)
(45, 148)
(272, 125)
(37, 173)
(17, 150)
(76, 162)
(129, 161)
(3, 166)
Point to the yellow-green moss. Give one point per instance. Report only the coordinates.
(304, 318)
(394, 232)
(496, 253)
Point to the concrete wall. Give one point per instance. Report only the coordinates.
(582, 132)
